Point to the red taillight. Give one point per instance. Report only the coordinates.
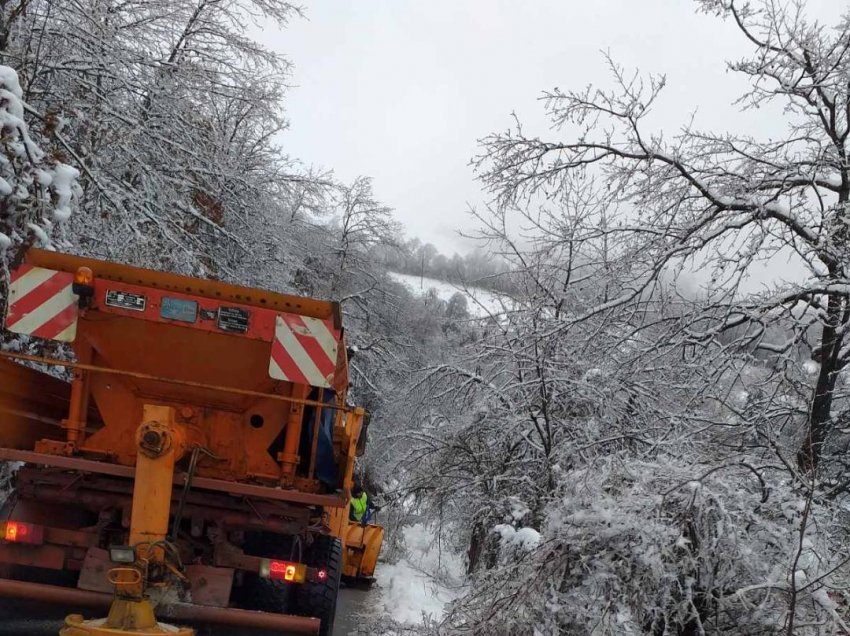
(283, 571)
(19, 532)
(322, 575)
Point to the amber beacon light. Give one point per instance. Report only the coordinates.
(83, 286)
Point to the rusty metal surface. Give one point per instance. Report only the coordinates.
(285, 623)
(210, 585)
(178, 612)
(94, 500)
(93, 573)
(40, 556)
(54, 594)
(61, 461)
(28, 478)
(237, 488)
(63, 536)
(251, 490)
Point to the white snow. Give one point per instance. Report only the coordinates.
(592, 374)
(522, 538)
(5, 242)
(66, 188)
(24, 164)
(43, 177)
(9, 79)
(421, 584)
(811, 367)
(833, 179)
(481, 303)
(12, 112)
(519, 509)
(40, 234)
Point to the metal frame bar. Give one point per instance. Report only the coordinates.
(178, 611)
(204, 483)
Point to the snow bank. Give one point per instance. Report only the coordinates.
(420, 585)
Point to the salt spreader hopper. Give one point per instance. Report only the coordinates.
(192, 466)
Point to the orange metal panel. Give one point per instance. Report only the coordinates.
(174, 283)
(154, 478)
(215, 381)
(32, 405)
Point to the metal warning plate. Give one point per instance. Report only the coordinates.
(125, 300)
(179, 309)
(234, 319)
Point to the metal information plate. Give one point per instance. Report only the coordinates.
(125, 300)
(233, 319)
(179, 309)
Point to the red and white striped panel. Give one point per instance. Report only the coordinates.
(42, 303)
(304, 350)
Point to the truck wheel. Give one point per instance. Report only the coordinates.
(319, 599)
(265, 595)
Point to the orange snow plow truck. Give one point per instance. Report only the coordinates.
(189, 465)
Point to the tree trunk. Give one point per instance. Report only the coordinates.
(476, 546)
(820, 411)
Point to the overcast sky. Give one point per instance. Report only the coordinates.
(400, 90)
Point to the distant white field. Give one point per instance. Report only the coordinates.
(479, 302)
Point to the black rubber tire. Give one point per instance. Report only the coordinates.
(265, 595)
(319, 599)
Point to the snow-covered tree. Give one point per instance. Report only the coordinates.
(724, 201)
(37, 192)
(170, 111)
(616, 451)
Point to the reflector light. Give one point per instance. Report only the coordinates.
(20, 532)
(84, 276)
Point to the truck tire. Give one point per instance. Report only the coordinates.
(319, 599)
(266, 595)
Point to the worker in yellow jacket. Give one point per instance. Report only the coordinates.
(361, 506)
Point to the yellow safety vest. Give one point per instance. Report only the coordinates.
(358, 506)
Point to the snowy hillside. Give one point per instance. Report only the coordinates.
(480, 302)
